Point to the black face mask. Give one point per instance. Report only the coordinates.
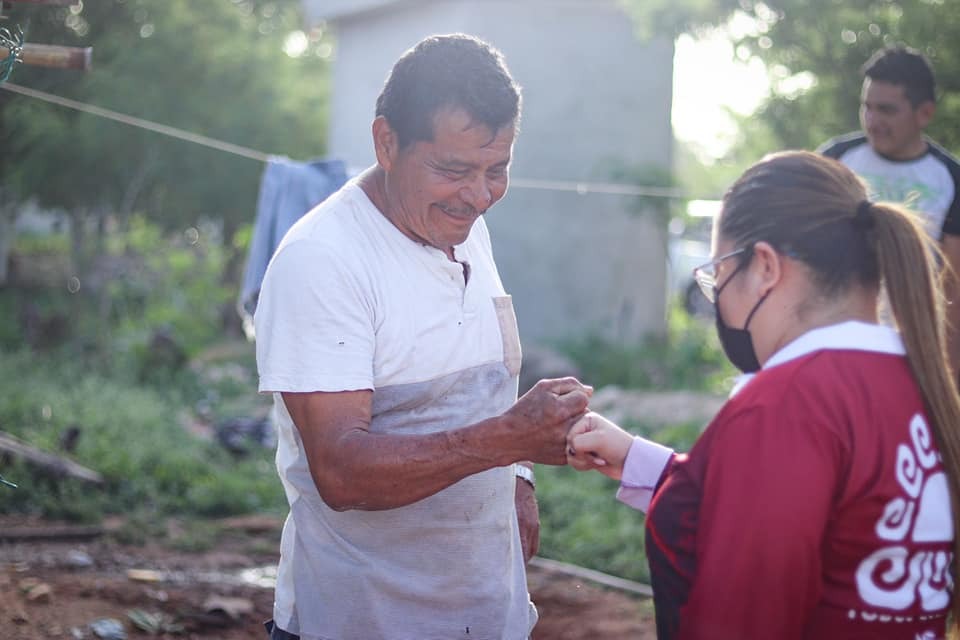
(737, 343)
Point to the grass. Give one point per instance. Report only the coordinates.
(582, 522)
(129, 411)
(687, 357)
(131, 435)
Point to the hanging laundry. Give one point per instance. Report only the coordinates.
(288, 190)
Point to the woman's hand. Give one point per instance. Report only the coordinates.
(594, 442)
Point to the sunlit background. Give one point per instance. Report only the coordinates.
(710, 82)
(133, 182)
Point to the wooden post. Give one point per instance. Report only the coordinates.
(53, 55)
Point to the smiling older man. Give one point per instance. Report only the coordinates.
(391, 348)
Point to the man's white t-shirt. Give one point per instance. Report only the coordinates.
(927, 184)
(348, 303)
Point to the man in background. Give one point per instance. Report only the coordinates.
(901, 164)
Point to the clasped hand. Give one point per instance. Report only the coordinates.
(542, 417)
(594, 442)
(557, 428)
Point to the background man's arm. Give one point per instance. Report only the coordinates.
(951, 251)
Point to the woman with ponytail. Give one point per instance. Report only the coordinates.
(821, 501)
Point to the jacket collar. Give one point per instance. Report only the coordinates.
(851, 335)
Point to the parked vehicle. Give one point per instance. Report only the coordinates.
(688, 246)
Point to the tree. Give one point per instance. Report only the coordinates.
(226, 69)
(216, 67)
(814, 51)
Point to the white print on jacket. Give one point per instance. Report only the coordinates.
(891, 577)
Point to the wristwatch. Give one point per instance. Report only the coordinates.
(525, 473)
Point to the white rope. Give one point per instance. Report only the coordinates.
(584, 188)
(163, 129)
(581, 188)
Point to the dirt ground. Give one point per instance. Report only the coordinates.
(59, 588)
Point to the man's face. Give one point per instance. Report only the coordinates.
(894, 127)
(436, 190)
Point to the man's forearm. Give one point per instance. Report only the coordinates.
(372, 471)
(354, 468)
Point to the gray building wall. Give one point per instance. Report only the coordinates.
(594, 98)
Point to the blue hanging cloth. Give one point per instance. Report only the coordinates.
(288, 190)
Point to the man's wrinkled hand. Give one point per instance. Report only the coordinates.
(544, 414)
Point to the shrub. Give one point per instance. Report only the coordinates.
(129, 434)
(687, 357)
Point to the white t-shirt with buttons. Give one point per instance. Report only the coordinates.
(348, 303)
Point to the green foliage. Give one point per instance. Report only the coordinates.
(673, 17)
(196, 536)
(139, 528)
(126, 392)
(149, 301)
(581, 522)
(689, 357)
(177, 285)
(707, 181)
(824, 44)
(132, 425)
(41, 243)
(129, 434)
(215, 68)
(652, 177)
(831, 45)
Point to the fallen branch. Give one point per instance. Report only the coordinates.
(65, 532)
(54, 464)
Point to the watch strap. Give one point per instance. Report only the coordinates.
(525, 473)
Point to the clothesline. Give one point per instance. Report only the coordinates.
(579, 187)
(162, 129)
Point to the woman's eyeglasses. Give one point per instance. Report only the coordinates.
(706, 274)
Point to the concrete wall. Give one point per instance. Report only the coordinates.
(593, 97)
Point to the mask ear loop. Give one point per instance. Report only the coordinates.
(748, 255)
(746, 325)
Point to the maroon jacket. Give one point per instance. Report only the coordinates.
(814, 506)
